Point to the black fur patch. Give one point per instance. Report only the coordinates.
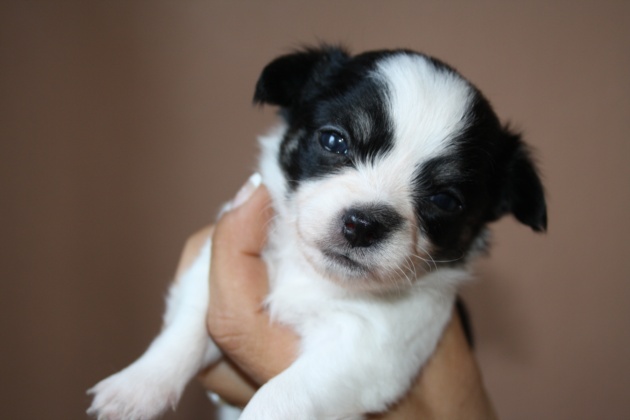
(329, 91)
(479, 168)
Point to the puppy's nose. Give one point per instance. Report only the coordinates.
(362, 229)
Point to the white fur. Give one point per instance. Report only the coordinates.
(429, 107)
(360, 351)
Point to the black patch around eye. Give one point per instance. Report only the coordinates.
(312, 154)
(337, 124)
(447, 202)
(446, 206)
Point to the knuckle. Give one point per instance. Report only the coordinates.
(226, 329)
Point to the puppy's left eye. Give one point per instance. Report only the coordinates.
(446, 202)
(333, 142)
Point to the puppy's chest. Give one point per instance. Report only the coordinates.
(299, 297)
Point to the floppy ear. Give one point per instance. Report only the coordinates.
(284, 80)
(523, 192)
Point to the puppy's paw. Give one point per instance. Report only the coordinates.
(135, 393)
(267, 405)
(271, 410)
(258, 410)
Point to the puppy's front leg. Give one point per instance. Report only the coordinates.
(298, 393)
(356, 366)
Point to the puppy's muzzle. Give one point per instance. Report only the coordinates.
(367, 226)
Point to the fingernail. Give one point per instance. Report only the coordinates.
(247, 190)
(215, 398)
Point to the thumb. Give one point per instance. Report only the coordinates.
(238, 275)
(239, 284)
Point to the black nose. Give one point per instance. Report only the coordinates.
(362, 229)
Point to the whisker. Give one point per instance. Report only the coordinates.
(434, 261)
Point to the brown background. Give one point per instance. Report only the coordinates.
(124, 125)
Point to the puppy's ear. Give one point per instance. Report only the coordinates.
(523, 192)
(284, 80)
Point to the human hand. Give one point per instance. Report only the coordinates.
(449, 386)
(256, 350)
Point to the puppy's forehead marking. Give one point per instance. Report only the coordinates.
(428, 105)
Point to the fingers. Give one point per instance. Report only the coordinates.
(227, 381)
(237, 269)
(454, 371)
(237, 320)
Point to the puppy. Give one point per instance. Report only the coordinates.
(384, 174)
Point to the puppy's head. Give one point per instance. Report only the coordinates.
(393, 164)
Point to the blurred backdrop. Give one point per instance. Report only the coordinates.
(124, 125)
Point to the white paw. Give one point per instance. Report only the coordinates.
(135, 393)
(269, 405)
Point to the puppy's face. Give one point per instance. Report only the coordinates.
(394, 164)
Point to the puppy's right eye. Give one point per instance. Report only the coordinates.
(446, 202)
(333, 142)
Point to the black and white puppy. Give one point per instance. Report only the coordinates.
(384, 173)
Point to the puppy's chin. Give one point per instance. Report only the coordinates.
(361, 273)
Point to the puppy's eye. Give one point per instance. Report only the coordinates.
(333, 142)
(446, 202)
